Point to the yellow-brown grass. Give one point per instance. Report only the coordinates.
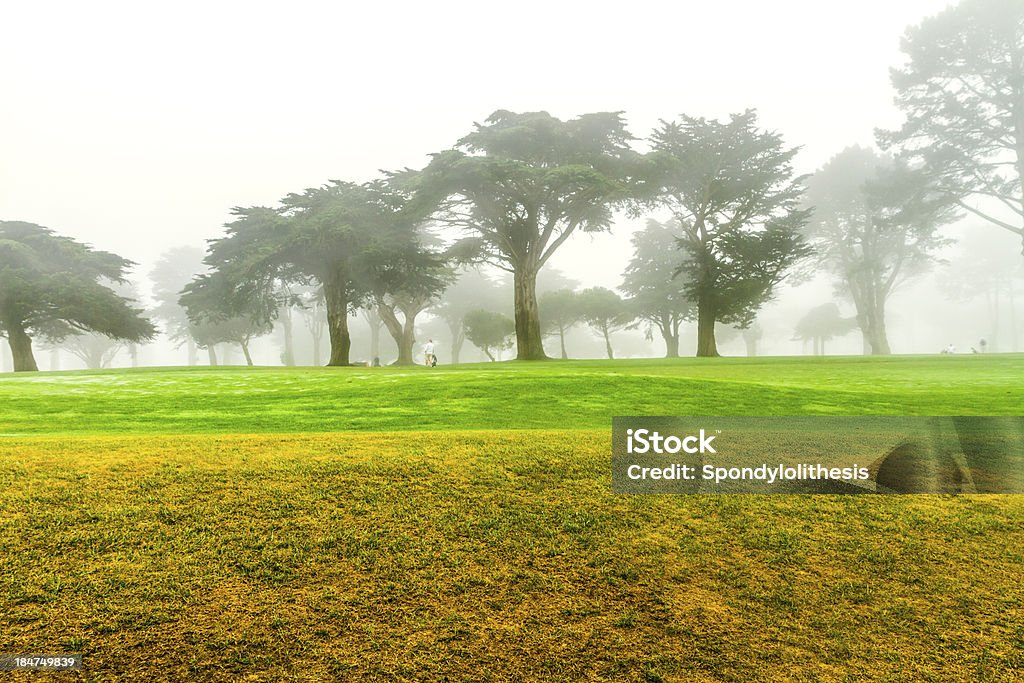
(482, 556)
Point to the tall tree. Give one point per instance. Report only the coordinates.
(605, 312)
(173, 270)
(731, 189)
(962, 91)
(559, 312)
(874, 226)
(54, 286)
(655, 286)
(521, 185)
(489, 331)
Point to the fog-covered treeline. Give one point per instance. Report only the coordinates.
(460, 250)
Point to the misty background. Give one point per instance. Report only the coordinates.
(136, 128)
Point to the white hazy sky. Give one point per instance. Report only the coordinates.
(135, 126)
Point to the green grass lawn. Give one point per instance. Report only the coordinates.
(553, 395)
(402, 525)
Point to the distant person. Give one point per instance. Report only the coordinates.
(376, 361)
(428, 353)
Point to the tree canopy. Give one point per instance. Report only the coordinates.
(821, 324)
(489, 331)
(962, 91)
(605, 312)
(53, 286)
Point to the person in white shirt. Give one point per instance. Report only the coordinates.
(428, 352)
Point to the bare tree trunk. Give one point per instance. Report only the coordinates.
(529, 340)
(706, 346)
(289, 340)
(871, 318)
(374, 320)
(133, 353)
(458, 338)
(245, 352)
(211, 353)
(879, 340)
(21, 350)
(402, 334)
(670, 334)
(337, 322)
(751, 343)
(1013, 320)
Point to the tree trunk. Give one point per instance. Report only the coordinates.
(289, 340)
(337, 322)
(529, 341)
(706, 346)
(211, 352)
(671, 336)
(487, 351)
(245, 352)
(607, 343)
(373, 319)
(561, 340)
(21, 350)
(752, 346)
(872, 327)
(458, 337)
(877, 335)
(133, 353)
(402, 334)
(1013, 320)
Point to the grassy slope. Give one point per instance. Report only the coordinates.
(485, 555)
(557, 395)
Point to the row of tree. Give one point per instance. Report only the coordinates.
(521, 184)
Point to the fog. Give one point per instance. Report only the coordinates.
(135, 128)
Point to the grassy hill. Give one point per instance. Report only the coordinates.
(400, 525)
